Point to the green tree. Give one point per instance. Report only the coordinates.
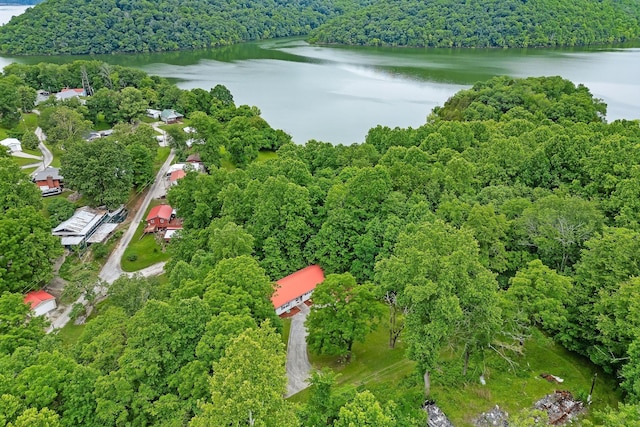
(142, 165)
(33, 417)
(436, 272)
(343, 313)
(66, 126)
(9, 104)
(59, 210)
(16, 189)
(543, 294)
(364, 410)
(27, 250)
(29, 140)
(249, 382)
(132, 105)
(17, 327)
(100, 170)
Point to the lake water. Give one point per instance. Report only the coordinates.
(6, 12)
(337, 94)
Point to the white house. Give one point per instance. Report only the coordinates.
(12, 144)
(296, 288)
(41, 302)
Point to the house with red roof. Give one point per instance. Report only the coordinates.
(296, 288)
(159, 218)
(40, 302)
(175, 176)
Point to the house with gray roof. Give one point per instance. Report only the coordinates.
(170, 116)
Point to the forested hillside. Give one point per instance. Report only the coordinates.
(485, 23)
(512, 212)
(106, 26)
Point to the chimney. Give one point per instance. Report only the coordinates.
(50, 181)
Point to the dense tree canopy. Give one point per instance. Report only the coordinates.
(472, 227)
(482, 23)
(77, 26)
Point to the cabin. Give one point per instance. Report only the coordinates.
(12, 144)
(296, 288)
(159, 218)
(49, 181)
(170, 116)
(40, 302)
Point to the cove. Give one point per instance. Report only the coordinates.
(336, 94)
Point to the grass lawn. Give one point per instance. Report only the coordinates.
(21, 161)
(28, 171)
(101, 125)
(161, 157)
(146, 250)
(520, 390)
(145, 119)
(70, 333)
(32, 152)
(286, 327)
(375, 365)
(372, 363)
(57, 153)
(30, 121)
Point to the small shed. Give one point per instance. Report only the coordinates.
(296, 288)
(154, 114)
(40, 302)
(12, 144)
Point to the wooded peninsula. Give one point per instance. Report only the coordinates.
(81, 27)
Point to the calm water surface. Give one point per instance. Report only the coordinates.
(337, 94)
(6, 12)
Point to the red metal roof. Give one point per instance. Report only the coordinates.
(35, 298)
(176, 175)
(297, 284)
(161, 211)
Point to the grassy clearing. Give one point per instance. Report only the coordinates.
(30, 121)
(518, 390)
(464, 398)
(372, 361)
(57, 154)
(144, 251)
(70, 333)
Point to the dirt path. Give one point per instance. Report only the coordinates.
(298, 366)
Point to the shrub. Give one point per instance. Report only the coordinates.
(132, 257)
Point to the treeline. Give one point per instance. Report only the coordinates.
(86, 27)
(482, 23)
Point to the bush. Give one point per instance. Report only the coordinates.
(59, 210)
(100, 250)
(30, 140)
(132, 257)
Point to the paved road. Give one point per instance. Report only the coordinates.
(112, 268)
(298, 366)
(47, 156)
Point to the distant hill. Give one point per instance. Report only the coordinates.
(485, 23)
(107, 26)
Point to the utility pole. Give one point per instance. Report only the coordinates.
(593, 383)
